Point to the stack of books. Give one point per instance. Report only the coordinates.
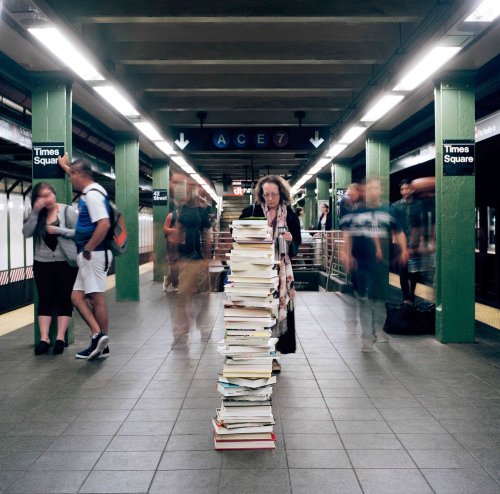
(245, 418)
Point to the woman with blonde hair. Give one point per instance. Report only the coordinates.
(272, 201)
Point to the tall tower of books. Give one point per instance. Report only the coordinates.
(245, 418)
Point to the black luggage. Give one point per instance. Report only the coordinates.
(410, 319)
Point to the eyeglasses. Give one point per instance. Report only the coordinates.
(271, 194)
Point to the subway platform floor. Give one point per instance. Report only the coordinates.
(415, 416)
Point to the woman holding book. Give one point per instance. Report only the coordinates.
(272, 201)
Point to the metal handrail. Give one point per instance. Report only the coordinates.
(318, 251)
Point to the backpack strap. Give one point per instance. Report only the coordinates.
(106, 263)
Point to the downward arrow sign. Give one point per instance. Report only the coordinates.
(181, 142)
(317, 141)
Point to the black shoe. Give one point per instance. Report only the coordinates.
(105, 352)
(84, 353)
(58, 347)
(42, 347)
(98, 344)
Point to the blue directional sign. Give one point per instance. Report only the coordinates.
(251, 139)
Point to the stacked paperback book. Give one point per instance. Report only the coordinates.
(245, 418)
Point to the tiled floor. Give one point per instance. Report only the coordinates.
(413, 417)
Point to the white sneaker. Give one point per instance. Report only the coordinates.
(171, 288)
(381, 336)
(165, 288)
(366, 345)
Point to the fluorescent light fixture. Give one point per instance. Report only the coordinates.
(117, 100)
(322, 162)
(433, 61)
(179, 160)
(149, 131)
(198, 178)
(335, 150)
(383, 106)
(166, 147)
(302, 180)
(488, 11)
(352, 134)
(63, 49)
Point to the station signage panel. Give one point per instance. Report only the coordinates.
(45, 156)
(160, 197)
(458, 157)
(232, 139)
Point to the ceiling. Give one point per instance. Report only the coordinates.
(246, 65)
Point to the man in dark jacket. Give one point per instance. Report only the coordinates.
(409, 212)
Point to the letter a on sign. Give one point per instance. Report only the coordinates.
(221, 139)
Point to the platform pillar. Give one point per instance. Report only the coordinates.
(310, 207)
(323, 186)
(161, 208)
(455, 213)
(341, 177)
(127, 200)
(52, 126)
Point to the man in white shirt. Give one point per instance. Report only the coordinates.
(93, 259)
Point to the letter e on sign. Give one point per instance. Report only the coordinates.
(260, 139)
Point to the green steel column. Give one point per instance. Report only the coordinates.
(310, 206)
(52, 122)
(127, 200)
(455, 201)
(161, 181)
(323, 185)
(341, 177)
(377, 161)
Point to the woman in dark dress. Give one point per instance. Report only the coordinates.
(272, 199)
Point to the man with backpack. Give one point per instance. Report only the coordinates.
(93, 258)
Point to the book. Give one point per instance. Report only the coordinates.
(250, 266)
(246, 371)
(240, 310)
(250, 222)
(250, 383)
(243, 444)
(244, 428)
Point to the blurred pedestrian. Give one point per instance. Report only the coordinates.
(171, 281)
(194, 245)
(367, 233)
(410, 215)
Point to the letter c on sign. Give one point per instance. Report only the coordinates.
(241, 139)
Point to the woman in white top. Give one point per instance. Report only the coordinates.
(54, 277)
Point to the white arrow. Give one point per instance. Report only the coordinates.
(317, 141)
(183, 143)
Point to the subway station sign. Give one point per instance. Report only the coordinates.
(232, 139)
(45, 156)
(160, 197)
(458, 157)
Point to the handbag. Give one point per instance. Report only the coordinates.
(68, 245)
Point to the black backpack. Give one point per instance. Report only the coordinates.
(410, 319)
